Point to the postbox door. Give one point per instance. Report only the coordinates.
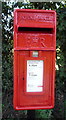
(38, 97)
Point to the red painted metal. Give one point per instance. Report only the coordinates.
(34, 30)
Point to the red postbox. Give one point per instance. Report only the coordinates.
(34, 59)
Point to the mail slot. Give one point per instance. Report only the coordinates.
(34, 59)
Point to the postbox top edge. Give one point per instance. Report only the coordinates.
(34, 10)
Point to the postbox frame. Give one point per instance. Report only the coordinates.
(17, 68)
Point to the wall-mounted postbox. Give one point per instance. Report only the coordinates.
(34, 58)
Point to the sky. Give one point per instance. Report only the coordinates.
(25, 1)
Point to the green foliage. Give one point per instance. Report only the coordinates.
(7, 51)
(44, 114)
(61, 49)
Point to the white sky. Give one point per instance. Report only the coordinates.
(25, 1)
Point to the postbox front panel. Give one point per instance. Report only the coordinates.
(33, 40)
(34, 60)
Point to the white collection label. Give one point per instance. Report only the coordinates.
(34, 75)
